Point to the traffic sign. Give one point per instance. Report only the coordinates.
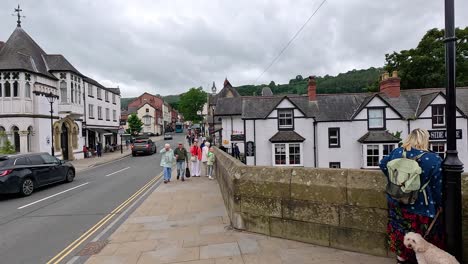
(121, 131)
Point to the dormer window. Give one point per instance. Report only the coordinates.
(285, 119)
(438, 115)
(376, 118)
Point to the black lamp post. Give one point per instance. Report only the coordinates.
(50, 98)
(452, 165)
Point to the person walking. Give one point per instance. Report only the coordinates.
(195, 159)
(210, 162)
(413, 211)
(204, 159)
(181, 159)
(99, 149)
(236, 151)
(167, 159)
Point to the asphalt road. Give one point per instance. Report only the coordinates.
(34, 229)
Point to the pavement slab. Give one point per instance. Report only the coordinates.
(186, 222)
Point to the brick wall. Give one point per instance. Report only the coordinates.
(339, 208)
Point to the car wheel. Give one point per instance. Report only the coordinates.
(70, 176)
(27, 187)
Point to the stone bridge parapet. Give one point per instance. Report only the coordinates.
(338, 208)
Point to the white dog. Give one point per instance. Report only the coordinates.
(426, 253)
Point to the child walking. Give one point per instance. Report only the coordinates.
(210, 162)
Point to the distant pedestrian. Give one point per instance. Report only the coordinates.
(195, 159)
(210, 162)
(189, 140)
(192, 138)
(99, 149)
(236, 151)
(167, 159)
(127, 142)
(413, 208)
(204, 159)
(85, 151)
(181, 159)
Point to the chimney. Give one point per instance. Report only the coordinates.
(390, 85)
(312, 89)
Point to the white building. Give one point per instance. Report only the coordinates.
(337, 130)
(102, 107)
(167, 115)
(27, 73)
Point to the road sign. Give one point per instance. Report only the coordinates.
(121, 131)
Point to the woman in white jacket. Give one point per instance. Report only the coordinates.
(204, 158)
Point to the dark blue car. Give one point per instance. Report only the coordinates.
(23, 173)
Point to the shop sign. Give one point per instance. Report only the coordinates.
(442, 134)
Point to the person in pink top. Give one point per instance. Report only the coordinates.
(195, 159)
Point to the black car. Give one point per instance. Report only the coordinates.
(23, 173)
(143, 146)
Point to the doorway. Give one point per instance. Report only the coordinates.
(64, 142)
(16, 139)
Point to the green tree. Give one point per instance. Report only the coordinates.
(192, 102)
(7, 147)
(134, 124)
(424, 66)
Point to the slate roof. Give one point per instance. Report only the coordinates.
(224, 93)
(378, 137)
(114, 90)
(339, 107)
(21, 52)
(57, 62)
(286, 136)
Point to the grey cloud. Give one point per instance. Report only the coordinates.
(167, 47)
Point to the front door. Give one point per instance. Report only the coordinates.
(64, 142)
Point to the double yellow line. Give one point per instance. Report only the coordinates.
(60, 256)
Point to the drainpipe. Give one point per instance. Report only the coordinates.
(409, 127)
(315, 143)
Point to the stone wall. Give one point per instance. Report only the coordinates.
(339, 208)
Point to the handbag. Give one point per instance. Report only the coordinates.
(187, 172)
(193, 159)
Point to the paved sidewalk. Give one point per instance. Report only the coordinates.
(83, 164)
(186, 223)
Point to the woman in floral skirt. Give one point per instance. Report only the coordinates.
(417, 217)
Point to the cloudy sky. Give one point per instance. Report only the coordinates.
(166, 47)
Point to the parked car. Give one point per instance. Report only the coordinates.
(144, 146)
(168, 136)
(23, 173)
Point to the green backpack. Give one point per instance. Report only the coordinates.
(404, 179)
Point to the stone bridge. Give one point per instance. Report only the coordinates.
(338, 208)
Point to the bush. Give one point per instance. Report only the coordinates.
(8, 148)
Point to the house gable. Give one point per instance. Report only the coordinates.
(438, 100)
(375, 102)
(285, 103)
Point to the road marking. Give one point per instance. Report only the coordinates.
(48, 197)
(117, 171)
(60, 256)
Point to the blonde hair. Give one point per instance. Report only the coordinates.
(418, 138)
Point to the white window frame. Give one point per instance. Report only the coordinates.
(380, 153)
(99, 112)
(106, 96)
(439, 143)
(90, 89)
(114, 115)
(91, 110)
(301, 153)
(285, 118)
(433, 108)
(113, 98)
(107, 114)
(99, 93)
(369, 110)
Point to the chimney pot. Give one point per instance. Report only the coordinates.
(390, 86)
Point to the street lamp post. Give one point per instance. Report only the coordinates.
(452, 165)
(50, 98)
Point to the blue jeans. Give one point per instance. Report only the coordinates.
(181, 169)
(167, 173)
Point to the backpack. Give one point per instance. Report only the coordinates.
(404, 179)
